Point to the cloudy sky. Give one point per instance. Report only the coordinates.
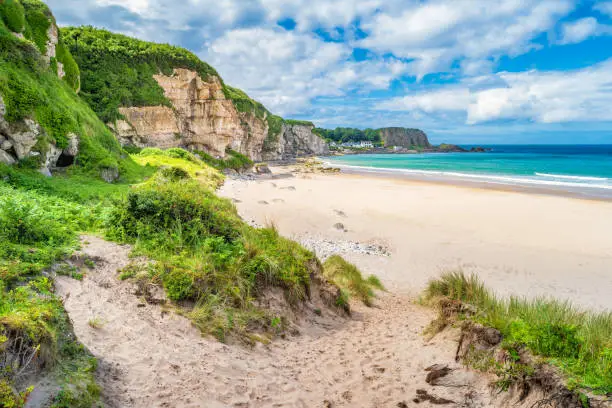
(465, 71)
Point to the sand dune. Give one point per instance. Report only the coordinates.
(148, 358)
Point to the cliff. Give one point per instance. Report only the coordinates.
(404, 137)
(156, 95)
(43, 123)
(296, 139)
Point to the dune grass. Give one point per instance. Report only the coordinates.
(349, 278)
(578, 342)
(206, 255)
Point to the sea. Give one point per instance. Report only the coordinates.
(583, 170)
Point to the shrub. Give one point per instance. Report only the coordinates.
(13, 15)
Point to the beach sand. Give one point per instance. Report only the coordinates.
(519, 243)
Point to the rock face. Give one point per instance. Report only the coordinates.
(22, 140)
(296, 141)
(202, 118)
(404, 137)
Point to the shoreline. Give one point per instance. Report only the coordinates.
(464, 183)
(407, 231)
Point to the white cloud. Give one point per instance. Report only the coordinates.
(544, 97)
(578, 31)
(604, 8)
(437, 33)
(135, 6)
(286, 69)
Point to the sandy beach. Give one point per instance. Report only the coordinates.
(519, 243)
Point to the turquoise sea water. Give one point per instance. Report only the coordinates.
(583, 169)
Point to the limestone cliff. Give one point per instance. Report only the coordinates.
(404, 137)
(203, 118)
(296, 140)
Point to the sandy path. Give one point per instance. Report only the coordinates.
(153, 359)
(518, 243)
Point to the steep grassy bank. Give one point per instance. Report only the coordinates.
(29, 87)
(579, 343)
(204, 254)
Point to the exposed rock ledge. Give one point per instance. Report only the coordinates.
(202, 118)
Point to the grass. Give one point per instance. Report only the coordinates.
(234, 160)
(579, 343)
(212, 265)
(348, 277)
(204, 253)
(95, 323)
(30, 89)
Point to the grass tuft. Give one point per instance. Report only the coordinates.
(348, 277)
(576, 341)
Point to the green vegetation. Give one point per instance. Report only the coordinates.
(579, 343)
(204, 252)
(36, 230)
(29, 88)
(234, 161)
(299, 122)
(212, 264)
(348, 277)
(13, 15)
(118, 71)
(344, 135)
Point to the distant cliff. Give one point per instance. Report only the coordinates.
(157, 95)
(404, 137)
(388, 137)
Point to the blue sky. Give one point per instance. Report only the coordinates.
(465, 71)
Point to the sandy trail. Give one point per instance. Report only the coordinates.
(518, 243)
(149, 358)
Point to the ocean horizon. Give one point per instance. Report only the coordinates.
(585, 170)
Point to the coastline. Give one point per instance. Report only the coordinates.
(531, 242)
(474, 183)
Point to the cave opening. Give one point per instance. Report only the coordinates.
(65, 160)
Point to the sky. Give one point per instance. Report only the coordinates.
(464, 71)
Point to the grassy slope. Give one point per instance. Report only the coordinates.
(118, 71)
(578, 342)
(29, 88)
(211, 264)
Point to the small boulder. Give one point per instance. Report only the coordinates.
(6, 144)
(109, 174)
(6, 158)
(262, 168)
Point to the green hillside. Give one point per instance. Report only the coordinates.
(30, 87)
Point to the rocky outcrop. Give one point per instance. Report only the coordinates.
(27, 139)
(52, 41)
(404, 137)
(296, 141)
(202, 118)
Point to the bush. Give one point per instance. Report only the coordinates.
(13, 15)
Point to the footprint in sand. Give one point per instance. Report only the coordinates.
(290, 188)
(340, 213)
(263, 202)
(278, 200)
